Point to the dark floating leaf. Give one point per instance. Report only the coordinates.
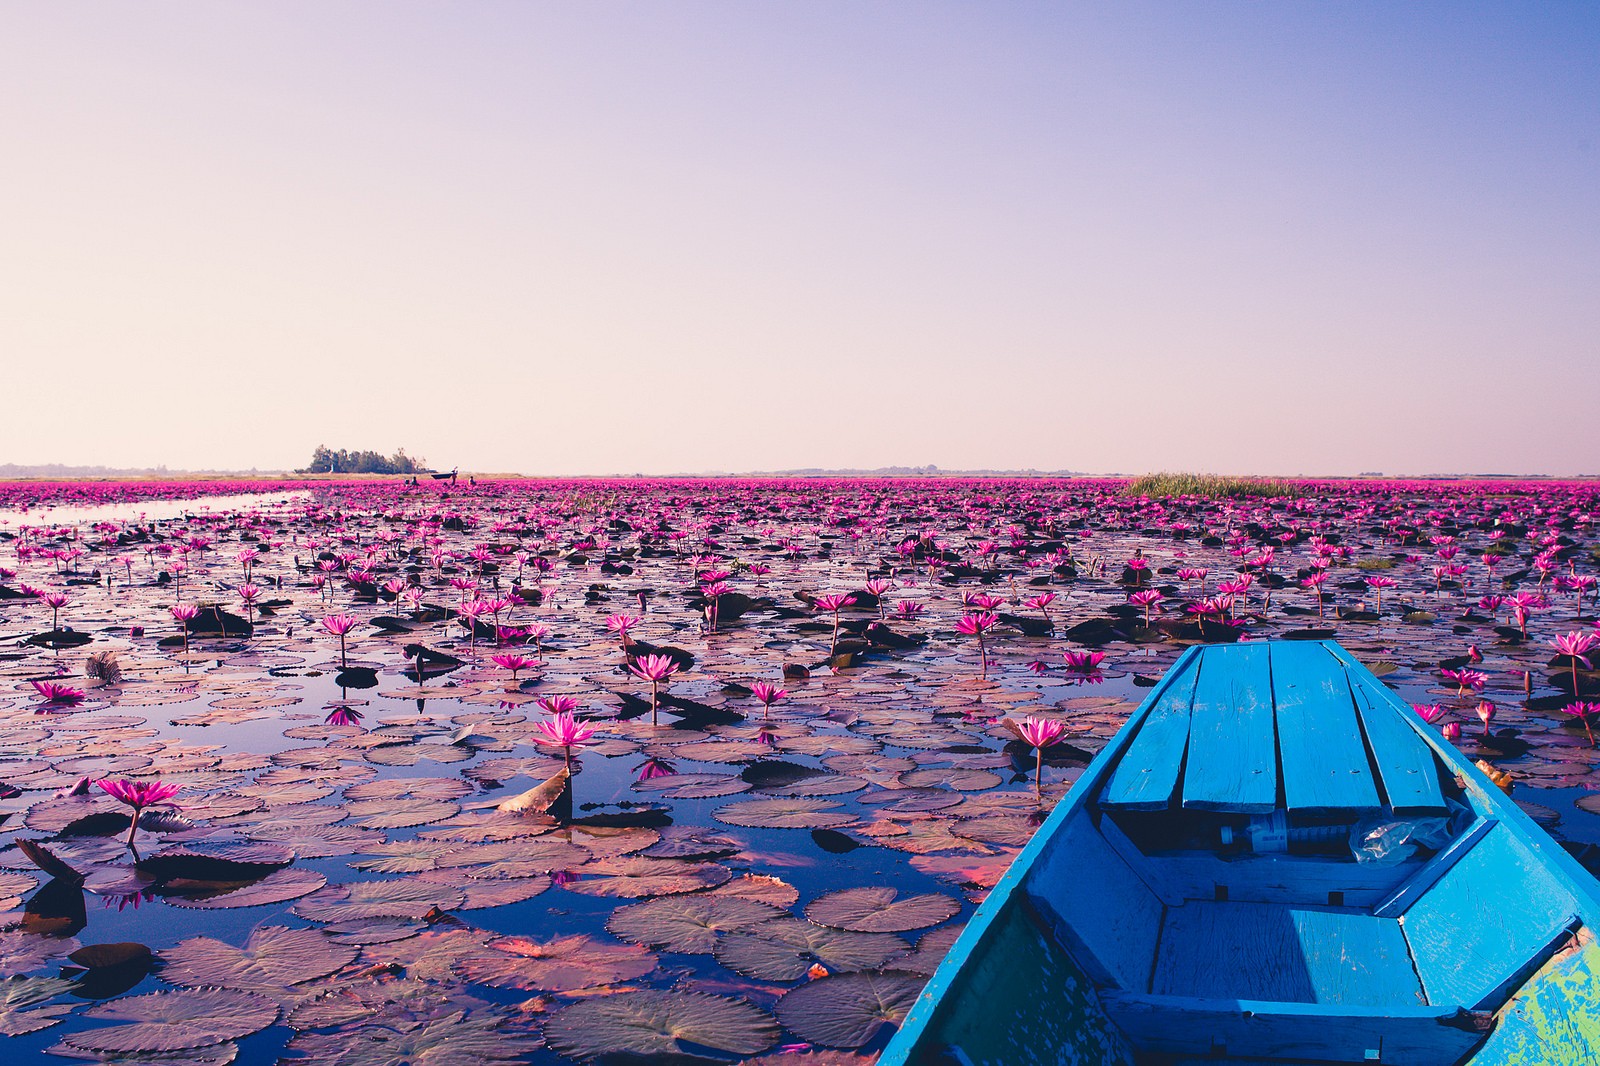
(874, 909)
(786, 949)
(660, 1023)
(564, 964)
(689, 924)
(847, 1010)
(25, 1005)
(175, 1021)
(272, 959)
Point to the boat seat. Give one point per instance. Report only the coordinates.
(1281, 953)
(1493, 918)
(1251, 728)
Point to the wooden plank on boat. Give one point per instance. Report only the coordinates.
(1401, 1036)
(1490, 915)
(1356, 960)
(992, 1013)
(1147, 774)
(1241, 950)
(1405, 763)
(1096, 905)
(1325, 767)
(1418, 884)
(1552, 1018)
(1233, 759)
(1285, 954)
(1302, 879)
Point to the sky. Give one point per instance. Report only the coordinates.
(567, 238)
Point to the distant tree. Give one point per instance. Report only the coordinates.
(325, 460)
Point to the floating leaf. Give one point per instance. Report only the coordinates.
(563, 964)
(637, 878)
(762, 888)
(798, 813)
(279, 887)
(538, 799)
(478, 1036)
(173, 1021)
(784, 950)
(660, 1023)
(25, 1006)
(874, 909)
(273, 958)
(847, 1010)
(400, 898)
(689, 924)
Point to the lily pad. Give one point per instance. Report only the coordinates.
(847, 1010)
(689, 924)
(174, 1021)
(874, 909)
(564, 964)
(786, 949)
(660, 1023)
(273, 958)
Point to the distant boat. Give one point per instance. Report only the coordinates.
(445, 476)
(1196, 899)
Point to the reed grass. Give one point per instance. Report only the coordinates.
(1212, 486)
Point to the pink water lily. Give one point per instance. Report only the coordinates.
(1583, 710)
(1486, 712)
(1147, 599)
(768, 694)
(340, 625)
(566, 732)
(1576, 646)
(1429, 712)
(513, 661)
(835, 602)
(139, 795)
(655, 669)
(57, 696)
(975, 625)
(344, 715)
(1039, 733)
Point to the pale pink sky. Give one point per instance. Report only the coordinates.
(655, 237)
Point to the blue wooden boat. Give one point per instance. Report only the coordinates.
(1197, 898)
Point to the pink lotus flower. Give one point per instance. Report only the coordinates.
(654, 669)
(1039, 733)
(1429, 712)
(566, 732)
(57, 696)
(1083, 662)
(339, 625)
(343, 715)
(653, 767)
(620, 624)
(1575, 646)
(1147, 599)
(768, 694)
(557, 704)
(513, 661)
(1451, 731)
(975, 625)
(1041, 603)
(1583, 710)
(1486, 715)
(835, 602)
(139, 795)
